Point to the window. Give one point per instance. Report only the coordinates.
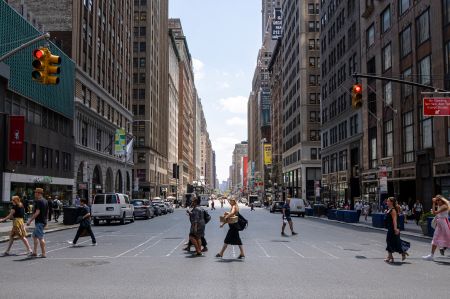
(370, 36)
(388, 138)
(142, 46)
(33, 155)
(311, 26)
(447, 64)
(312, 44)
(313, 153)
(387, 57)
(141, 158)
(406, 89)
(373, 148)
(141, 175)
(142, 62)
(66, 161)
(84, 133)
(343, 160)
(312, 98)
(387, 93)
(408, 137)
(311, 9)
(143, 16)
(425, 70)
(426, 131)
(446, 11)
(423, 27)
(98, 140)
(386, 19)
(57, 160)
(404, 5)
(353, 125)
(314, 135)
(142, 31)
(405, 42)
(312, 62)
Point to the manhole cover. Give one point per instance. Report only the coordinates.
(90, 263)
(361, 257)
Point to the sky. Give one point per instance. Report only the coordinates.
(223, 37)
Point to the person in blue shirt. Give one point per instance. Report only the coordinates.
(287, 217)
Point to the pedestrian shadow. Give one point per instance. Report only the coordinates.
(443, 261)
(27, 258)
(193, 256)
(230, 260)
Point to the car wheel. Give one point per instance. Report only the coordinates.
(96, 222)
(132, 219)
(147, 216)
(303, 215)
(123, 220)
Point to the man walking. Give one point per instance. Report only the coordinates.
(358, 208)
(40, 221)
(57, 206)
(287, 217)
(85, 223)
(417, 209)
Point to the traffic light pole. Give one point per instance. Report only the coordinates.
(368, 76)
(14, 51)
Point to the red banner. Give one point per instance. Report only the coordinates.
(16, 134)
(436, 106)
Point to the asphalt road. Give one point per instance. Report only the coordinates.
(145, 260)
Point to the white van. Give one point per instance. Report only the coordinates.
(204, 200)
(112, 206)
(297, 206)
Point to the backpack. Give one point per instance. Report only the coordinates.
(242, 222)
(55, 205)
(206, 216)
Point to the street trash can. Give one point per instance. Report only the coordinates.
(430, 228)
(401, 222)
(309, 211)
(378, 220)
(70, 215)
(331, 214)
(340, 215)
(5, 207)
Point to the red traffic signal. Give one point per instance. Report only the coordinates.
(357, 88)
(38, 53)
(357, 96)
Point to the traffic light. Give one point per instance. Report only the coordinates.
(357, 96)
(45, 66)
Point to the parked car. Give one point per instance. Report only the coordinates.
(244, 201)
(204, 200)
(157, 209)
(112, 206)
(142, 208)
(161, 206)
(297, 206)
(277, 206)
(169, 206)
(257, 204)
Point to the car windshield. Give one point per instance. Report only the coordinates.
(137, 203)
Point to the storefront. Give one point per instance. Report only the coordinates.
(23, 185)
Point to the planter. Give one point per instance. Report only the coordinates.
(430, 229)
(424, 227)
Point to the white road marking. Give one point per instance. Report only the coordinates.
(65, 247)
(173, 250)
(321, 250)
(335, 245)
(262, 248)
(142, 251)
(135, 247)
(233, 251)
(294, 251)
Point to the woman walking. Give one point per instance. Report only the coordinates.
(393, 241)
(197, 231)
(441, 237)
(17, 214)
(232, 237)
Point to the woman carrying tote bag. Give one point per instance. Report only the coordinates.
(441, 237)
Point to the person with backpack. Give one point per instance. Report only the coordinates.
(197, 231)
(57, 206)
(233, 237)
(287, 217)
(207, 218)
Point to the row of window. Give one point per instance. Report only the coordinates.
(339, 132)
(47, 157)
(335, 162)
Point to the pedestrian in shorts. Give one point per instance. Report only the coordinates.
(287, 217)
(39, 217)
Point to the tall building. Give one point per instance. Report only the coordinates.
(240, 151)
(186, 108)
(214, 171)
(340, 49)
(410, 40)
(41, 116)
(267, 12)
(150, 96)
(174, 83)
(97, 35)
(301, 84)
(199, 118)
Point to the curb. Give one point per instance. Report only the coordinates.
(52, 230)
(403, 233)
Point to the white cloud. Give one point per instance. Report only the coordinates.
(236, 104)
(236, 121)
(224, 85)
(198, 69)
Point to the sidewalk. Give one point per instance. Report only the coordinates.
(411, 229)
(5, 228)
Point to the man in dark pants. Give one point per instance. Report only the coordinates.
(85, 223)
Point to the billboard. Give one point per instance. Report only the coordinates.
(277, 24)
(16, 132)
(265, 107)
(244, 172)
(267, 154)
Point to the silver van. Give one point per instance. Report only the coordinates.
(112, 207)
(297, 206)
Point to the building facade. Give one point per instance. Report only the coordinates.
(45, 112)
(340, 52)
(301, 83)
(97, 35)
(240, 151)
(410, 40)
(150, 96)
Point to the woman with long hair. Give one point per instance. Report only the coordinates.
(232, 237)
(18, 229)
(393, 241)
(441, 237)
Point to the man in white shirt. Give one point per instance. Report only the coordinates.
(358, 208)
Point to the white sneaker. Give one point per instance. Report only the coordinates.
(429, 257)
(71, 243)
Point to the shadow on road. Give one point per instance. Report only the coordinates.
(229, 261)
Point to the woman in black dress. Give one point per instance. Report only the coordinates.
(232, 237)
(393, 241)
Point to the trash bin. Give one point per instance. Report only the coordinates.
(309, 211)
(378, 220)
(351, 216)
(70, 215)
(5, 207)
(331, 214)
(340, 215)
(401, 222)
(320, 210)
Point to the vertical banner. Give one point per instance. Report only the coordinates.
(120, 140)
(267, 154)
(16, 135)
(245, 171)
(277, 24)
(382, 176)
(265, 102)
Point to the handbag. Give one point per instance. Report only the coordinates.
(434, 223)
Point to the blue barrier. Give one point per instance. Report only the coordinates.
(331, 214)
(351, 216)
(340, 215)
(378, 220)
(309, 211)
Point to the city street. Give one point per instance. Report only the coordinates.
(145, 260)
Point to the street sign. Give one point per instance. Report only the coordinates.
(382, 175)
(436, 106)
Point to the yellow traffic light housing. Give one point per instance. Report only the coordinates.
(357, 96)
(45, 66)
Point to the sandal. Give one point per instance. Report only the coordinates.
(404, 255)
(219, 255)
(389, 260)
(6, 253)
(241, 257)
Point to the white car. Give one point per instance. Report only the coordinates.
(257, 204)
(112, 206)
(297, 206)
(204, 200)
